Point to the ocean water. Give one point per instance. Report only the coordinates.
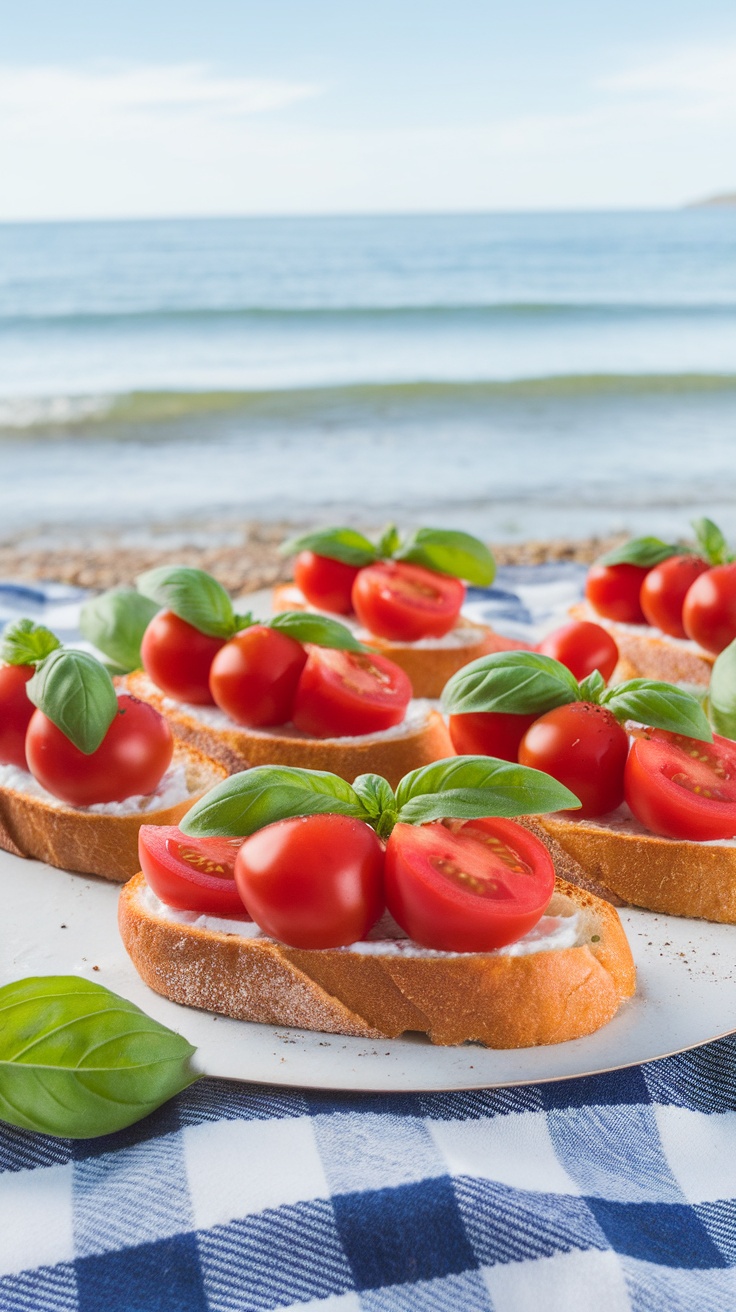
(524, 375)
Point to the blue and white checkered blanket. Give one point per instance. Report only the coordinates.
(606, 1193)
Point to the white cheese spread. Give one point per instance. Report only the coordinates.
(172, 789)
(417, 714)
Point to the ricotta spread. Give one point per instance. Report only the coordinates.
(172, 789)
(417, 714)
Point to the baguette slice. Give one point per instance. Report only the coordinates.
(430, 663)
(675, 876)
(647, 653)
(500, 1000)
(93, 842)
(392, 754)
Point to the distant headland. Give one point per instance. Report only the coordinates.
(726, 198)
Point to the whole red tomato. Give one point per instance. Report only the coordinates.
(406, 602)
(313, 882)
(253, 678)
(664, 590)
(177, 657)
(345, 693)
(585, 748)
(470, 889)
(709, 609)
(682, 788)
(489, 733)
(326, 583)
(583, 647)
(613, 591)
(130, 761)
(16, 710)
(192, 874)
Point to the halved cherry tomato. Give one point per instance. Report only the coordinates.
(585, 748)
(472, 889)
(313, 882)
(349, 693)
(709, 609)
(191, 874)
(406, 602)
(583, 647)
(489, 733)
(683, 788)
(130, 761)
(177, 657)
(16, 710)
(325, 583)
(664, 590)
(613, 590)
(253, 678)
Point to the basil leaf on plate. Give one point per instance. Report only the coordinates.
(449, 552)
(512, 682)
(722, 693)
(258, 797)
(115, 623)
(78, 1061)
(193, 595)
(345, 544)
(76, 692)
(304, 626)
(646, 552)
(26, 643)
(711, 543)
(467, 787)
(661, 705)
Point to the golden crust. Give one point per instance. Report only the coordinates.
(500, 1001)
(647, 656)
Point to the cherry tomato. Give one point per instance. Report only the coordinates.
(253, 678)
(130, 761)
(613, 590)
(325, 583)
(191, 874)
(582, 647)
(489, 733)
(709, 609)
(664, 590)
(345, 693)
(682, 788)
(313, 882)
(16, 710)
(406, 602)
(585, 748)
(177, 657)
(473, 889)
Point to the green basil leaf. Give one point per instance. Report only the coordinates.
(78, 1061)
(592, 687)
(711, 542)
(467, 787)
(345, 544)
(512, 682)
(389, 542)
(661, 705)
(379, 802)
(722, 693)
(76, 692)
(115, 623)
(193, 595)
(320, 630)
(258, 797)
(449, 552)
(26, 643)
(642, 551)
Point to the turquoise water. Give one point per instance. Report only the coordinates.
(527, 373)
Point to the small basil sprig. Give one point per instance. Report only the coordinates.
(648, 552)
(460, 787)
(712, 545)
(319, 630)
(722, 693)
(76, 692)
(446, 551)
(78, 1061)
(26, 643)
(115, 623)
(527, 683)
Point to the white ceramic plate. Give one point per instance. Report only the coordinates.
(55, 923)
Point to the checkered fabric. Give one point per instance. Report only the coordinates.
(606, 1193)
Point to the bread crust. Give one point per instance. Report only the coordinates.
(391, 757)
(500, 1001)
(429, 668)
(89, 842)
(649, 655)
(675, 876)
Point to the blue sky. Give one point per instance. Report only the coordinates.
(165, 108)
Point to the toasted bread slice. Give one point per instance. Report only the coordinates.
(430, 662)
(422, 739)
(94, 841)
(647, 653)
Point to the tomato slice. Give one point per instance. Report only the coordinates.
(191, 874)
(682, 788)
(349, 693)
(326, 583)
(477, 887)
(406, 602)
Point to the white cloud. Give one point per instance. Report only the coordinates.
(699, 79)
